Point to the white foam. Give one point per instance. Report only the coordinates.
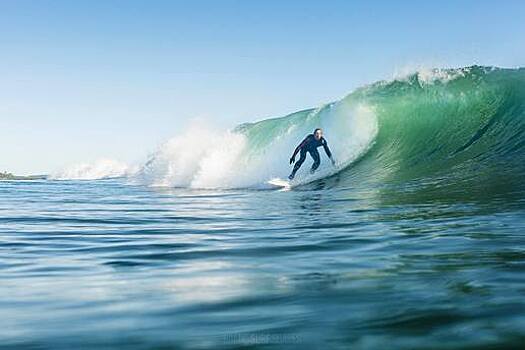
(200, 157)
(100, 169)
(427, 75)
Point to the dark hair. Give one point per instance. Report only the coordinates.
(317, 129)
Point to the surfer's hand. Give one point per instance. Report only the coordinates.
(292, 160)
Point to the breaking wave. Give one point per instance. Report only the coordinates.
(449, 124)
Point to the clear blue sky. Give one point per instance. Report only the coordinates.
(80, 80)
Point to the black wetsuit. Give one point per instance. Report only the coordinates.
(309, 144)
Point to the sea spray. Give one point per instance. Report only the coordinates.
(103, 168)
(199, 156)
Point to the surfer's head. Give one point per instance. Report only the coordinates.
(318, 133)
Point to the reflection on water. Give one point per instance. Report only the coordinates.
(108, 265)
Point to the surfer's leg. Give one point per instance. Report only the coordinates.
(298, 164)
(317, 160)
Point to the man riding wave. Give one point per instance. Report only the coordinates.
(310, 144)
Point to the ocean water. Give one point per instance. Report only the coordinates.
(415, 240)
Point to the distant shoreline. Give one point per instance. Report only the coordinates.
(9, 176)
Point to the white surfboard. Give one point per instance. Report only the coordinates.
(302, 179)
(280, 183)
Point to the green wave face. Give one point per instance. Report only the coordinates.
(446, 128)
(441, 133)
(350, 126)
(442, 125)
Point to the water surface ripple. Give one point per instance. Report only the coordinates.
(105, 264)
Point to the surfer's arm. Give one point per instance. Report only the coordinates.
(328, 152)
(298, 148)
(327, 149)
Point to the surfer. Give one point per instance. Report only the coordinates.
(310, 144)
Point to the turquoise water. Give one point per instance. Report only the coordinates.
(102, 264)
(415, 241)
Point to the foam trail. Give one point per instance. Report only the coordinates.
(100, 169)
